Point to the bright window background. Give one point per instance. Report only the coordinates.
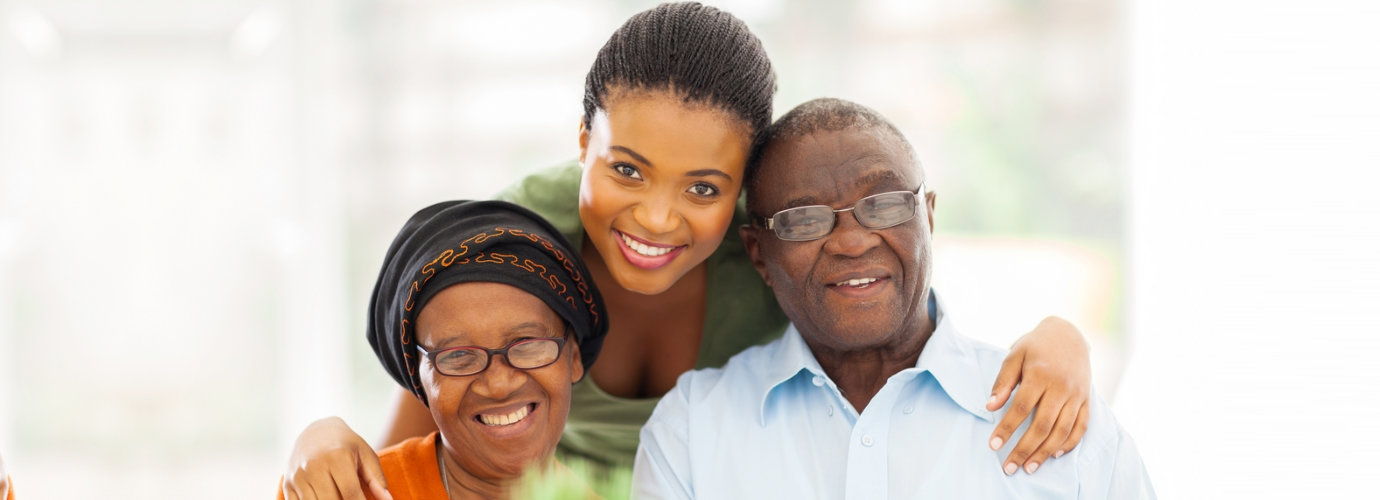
(195, 196)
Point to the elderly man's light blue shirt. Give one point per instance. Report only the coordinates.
(771, 424)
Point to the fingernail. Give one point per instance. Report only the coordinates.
(992, 400)
(1030, 467)
(1059, 453)
(995, 443)
(1010, 469)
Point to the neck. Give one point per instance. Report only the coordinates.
(861, 373)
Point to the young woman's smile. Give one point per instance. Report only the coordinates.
(645, 254)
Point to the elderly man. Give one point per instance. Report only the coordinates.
(871, 393)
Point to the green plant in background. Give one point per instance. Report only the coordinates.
(585, 480)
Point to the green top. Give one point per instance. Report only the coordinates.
(741, 312)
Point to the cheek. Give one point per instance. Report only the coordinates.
(795, 260)
(442, 395)
(600, 200)
(556, 383)
(914, 251)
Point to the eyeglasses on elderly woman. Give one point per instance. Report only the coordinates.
(523, 354)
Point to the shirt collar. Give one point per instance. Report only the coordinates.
(948, 357)
(792, 359)
(953, 361)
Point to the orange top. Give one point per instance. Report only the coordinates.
(10, 494)
(411, 471)
(412, 474)
(410, 468)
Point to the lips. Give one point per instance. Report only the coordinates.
(645, 254)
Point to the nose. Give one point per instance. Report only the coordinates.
(657, 214)
(498, 380)
(849, 238)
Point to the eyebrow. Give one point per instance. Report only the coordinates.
(706, 172)
(703, 172)
(878, 178)
(802, 201)
(630, 152)
(870, 180)
(510, 335)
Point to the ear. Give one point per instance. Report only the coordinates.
(577, 367)
(929, 209)
(584, 141)
(754, 251)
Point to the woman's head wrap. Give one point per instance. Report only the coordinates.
(456, 242)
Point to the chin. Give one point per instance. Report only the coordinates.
(865, 334)
(510, 463)
(647, 283)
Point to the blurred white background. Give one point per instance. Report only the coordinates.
(195, 196)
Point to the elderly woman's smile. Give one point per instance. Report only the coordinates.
(506, 419)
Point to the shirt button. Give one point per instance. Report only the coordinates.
(867, 440)
(830, 411)
(818, 381)
(909, 409)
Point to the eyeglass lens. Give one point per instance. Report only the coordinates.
(874, 212)
(525, 354)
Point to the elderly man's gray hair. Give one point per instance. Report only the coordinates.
(825, 114)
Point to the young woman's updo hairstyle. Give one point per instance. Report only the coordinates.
(702, 54)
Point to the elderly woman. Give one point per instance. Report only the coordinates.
(484, 312)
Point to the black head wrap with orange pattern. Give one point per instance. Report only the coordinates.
(456, 242)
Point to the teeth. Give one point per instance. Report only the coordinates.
(509, 419)
(856, 282)
(645, 250)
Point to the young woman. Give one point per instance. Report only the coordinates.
(674, 104)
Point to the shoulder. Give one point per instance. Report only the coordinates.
(553, 193)
(979, 361)
(398, 459)
(987, 356)
(410, 467)
(1105, 440)
(540, 189)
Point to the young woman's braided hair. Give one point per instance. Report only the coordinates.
(701, 54)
